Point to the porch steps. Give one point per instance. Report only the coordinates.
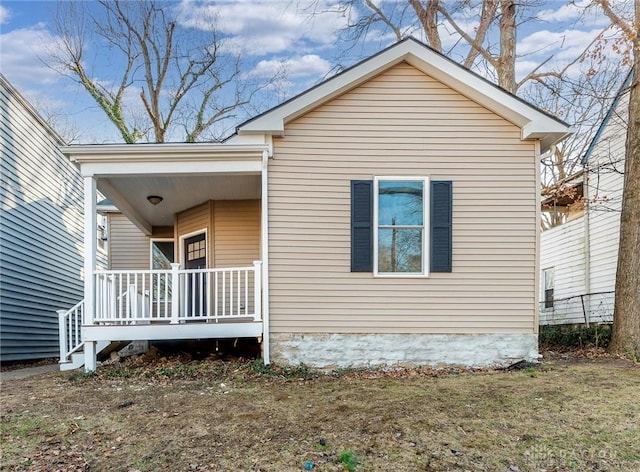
(76, 360)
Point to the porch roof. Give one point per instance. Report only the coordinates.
(184, 175)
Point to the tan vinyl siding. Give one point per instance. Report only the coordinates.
(128, 246)
(237, 232)
(402, 123)
(233, 230)
(193, 221)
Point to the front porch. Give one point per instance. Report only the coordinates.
(152, 305)
(201, 208)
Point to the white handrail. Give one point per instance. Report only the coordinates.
(70, 330)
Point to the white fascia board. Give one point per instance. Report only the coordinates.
(548, 134)
(175, 331)
(534, 123)
(162, 151)
(107, 209)
(176, 167)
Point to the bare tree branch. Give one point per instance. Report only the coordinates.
(487, 16)
(472, 41)
(174, 74)
(382, 16)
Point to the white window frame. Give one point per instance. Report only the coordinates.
(426, 236)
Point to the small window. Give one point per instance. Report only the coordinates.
(161, 259)
(548, 276)
(161, 255)
(400, 226)
(102, 231)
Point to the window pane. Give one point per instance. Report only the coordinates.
(400, 250)
(400, 203)
(548, 278)
(162, 252)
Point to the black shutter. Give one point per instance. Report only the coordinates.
(361, 226)
(441, 236)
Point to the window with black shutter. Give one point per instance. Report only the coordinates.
(401, 226)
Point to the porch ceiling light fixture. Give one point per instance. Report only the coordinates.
(154, 199)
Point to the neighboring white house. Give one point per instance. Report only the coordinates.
(578, 259)
(41, 233)
(388, 216)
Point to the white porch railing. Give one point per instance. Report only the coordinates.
(69, 328)
(178, 295)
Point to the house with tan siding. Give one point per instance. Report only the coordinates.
(388, 216)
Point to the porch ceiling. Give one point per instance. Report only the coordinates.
(179, 192)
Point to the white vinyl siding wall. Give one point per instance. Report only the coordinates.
(564, 246)
(41, 235)
(563, 249)
(605, 184)
(402, 123)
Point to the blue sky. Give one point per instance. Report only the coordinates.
(273, 35)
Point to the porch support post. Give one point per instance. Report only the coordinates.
(90, 361)
(175, 293)
(257, 290)
(90, 247)
(264, 251)
(62, 334)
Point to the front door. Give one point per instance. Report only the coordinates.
(195, 254)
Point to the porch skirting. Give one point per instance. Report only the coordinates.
(402, 350)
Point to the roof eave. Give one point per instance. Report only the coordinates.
(535, 123)
(159, 152)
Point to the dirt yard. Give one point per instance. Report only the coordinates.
(178, 415)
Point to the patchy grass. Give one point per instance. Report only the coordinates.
(568, 415)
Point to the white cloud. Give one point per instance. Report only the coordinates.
(571, 11)
(5, 14)
(261, 27)
(582, 13)
(22, 53)
(564, 47)
(310, 65)
(568, 41)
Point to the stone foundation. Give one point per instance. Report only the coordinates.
(402, 350)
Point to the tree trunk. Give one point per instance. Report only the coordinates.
(507, 61)
(429, 20)
(626, 317)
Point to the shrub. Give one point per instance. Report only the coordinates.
(574, 336)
